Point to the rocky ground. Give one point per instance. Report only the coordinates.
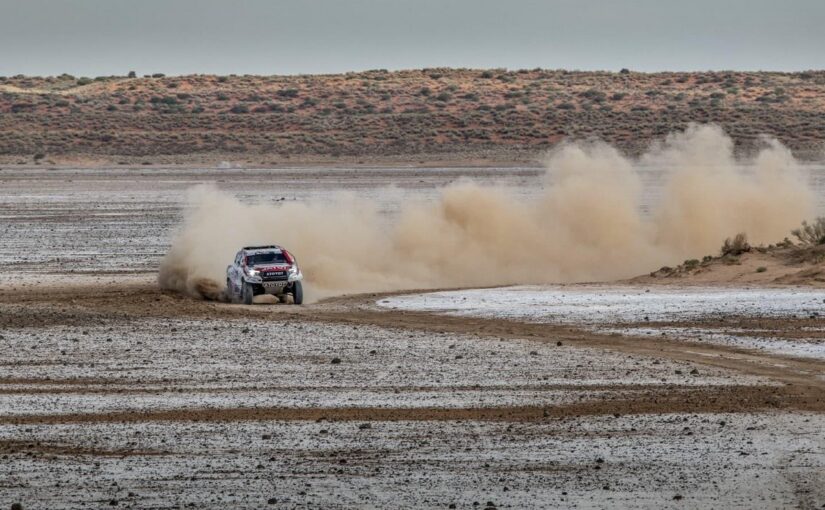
(115, 393)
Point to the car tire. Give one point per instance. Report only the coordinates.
(230, 292)
(247, 293)
(297, 293)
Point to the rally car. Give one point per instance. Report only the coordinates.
(264, 270)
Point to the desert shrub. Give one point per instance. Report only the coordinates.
(691, 263)
(288, 93)
(222, 79)
(239, 108)
(594, 95)
(39, 156)
(618, 96)
(811, 234)
(487, 74)
(761, 269)
(707, 258)
(566, 106)
(84, 81)
(425, 91)
(222, 97)
(444, 97)
(158, 75)
(131, 74)
(168, 100)
(736, 246)
(624, 71)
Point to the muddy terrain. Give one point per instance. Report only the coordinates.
(659, 392)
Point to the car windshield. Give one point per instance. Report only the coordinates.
(265, 258)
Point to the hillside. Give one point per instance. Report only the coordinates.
(781, 264)
(464, 115)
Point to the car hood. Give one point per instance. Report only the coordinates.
(270, 267)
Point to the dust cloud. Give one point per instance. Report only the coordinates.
(586, 224)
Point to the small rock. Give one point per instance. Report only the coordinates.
(534, 353)
(365, 426)
(336, 361)
(266, 436)
(271, 501)
(677, 497)
(113, 502)
(559, 344)
(694, 372)
(16, 506)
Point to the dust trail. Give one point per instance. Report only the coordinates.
(586, 224)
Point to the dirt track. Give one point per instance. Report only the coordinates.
(798, 384)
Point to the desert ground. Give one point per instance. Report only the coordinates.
(694, 386)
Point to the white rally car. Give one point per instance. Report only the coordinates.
(264, 270)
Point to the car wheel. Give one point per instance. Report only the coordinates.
(297, 293)
(247, 293)
(230, 292)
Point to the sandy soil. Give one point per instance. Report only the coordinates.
(113, 392)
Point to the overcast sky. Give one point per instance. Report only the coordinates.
(102, 37)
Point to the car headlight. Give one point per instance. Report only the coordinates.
(252, 272)
(293, 270)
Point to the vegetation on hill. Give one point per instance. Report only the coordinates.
(513, 114)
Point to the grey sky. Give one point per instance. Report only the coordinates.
(102, 37)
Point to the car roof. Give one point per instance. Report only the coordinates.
(261, 249)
